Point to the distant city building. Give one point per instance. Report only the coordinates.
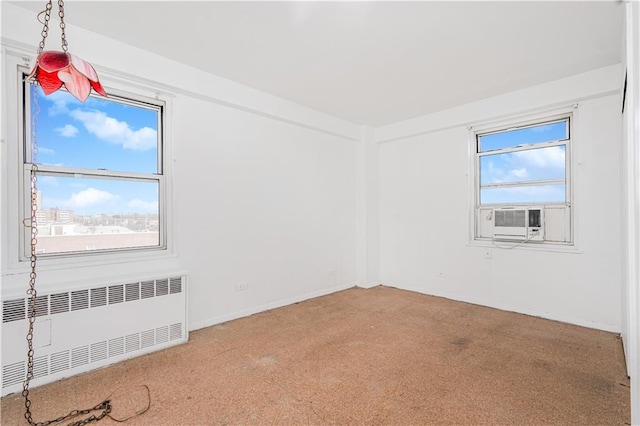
(54, 216)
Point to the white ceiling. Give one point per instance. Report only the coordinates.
(370, 63)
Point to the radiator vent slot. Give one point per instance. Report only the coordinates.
(13, 374)
(175, 285)
(13, 310)
(147, 338)
(59, 362)
(162, 334)
(42, 305)
(98, 297)
(59, 303)
(132, 292)
(98, 351)
(40, 366)
(116, 347)
(132, 343)
(175, 331)
(147, 289)
(79, 300)
(162, 287)
(116, 294)
(79, 356)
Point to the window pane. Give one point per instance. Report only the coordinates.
(96, 134)
(554, 131)
(523, 166)
(523, 194)
(82, 214)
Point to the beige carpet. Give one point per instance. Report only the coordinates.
(364, 357)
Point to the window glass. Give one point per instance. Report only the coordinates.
(80, 214)
(523, 166)
(546, 132)
(97, 134)
(528, 194)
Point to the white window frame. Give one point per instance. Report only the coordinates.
(15, 176)
(43, 169)
(532, 120)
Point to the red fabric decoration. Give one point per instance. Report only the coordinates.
(54, 69)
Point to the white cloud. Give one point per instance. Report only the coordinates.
(60, 101)
(525, 194)
(544, 157)
(48, 181)
(114, 131)
(68, 130)
(90, 197)
(143, 206)
(542, 129)
(520, 173)
(43, 150)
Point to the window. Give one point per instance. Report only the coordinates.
(100, 172)
(525, 165)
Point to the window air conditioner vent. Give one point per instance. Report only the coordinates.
(519, 224)
(515, 218)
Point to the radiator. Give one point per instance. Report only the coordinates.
(83, 329)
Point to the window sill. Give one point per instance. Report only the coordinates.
(570, 248)
(91, 260)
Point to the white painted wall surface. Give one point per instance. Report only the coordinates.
(260, 202)
(425, 206)
(631, 207)
(263, 189)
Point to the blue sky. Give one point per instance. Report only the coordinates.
(97, 134)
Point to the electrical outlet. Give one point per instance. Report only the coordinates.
(242, 286)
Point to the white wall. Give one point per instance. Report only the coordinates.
(631, 207)
(263, 189)
(261, 202)
(425, 206)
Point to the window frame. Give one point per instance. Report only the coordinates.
(128, 95)
(520, 122)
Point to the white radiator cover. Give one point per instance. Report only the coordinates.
(83, 329)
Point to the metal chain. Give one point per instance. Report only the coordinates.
(45, 28)
(34, 240)
(105, 406)
(62, 25)
(45, 23)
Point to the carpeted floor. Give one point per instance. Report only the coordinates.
(363, 357)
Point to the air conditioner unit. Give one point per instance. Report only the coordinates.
(518, 224)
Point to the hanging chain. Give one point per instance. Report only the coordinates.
(45, 28)
(33, 243)
(63, 36)
(105, 406)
